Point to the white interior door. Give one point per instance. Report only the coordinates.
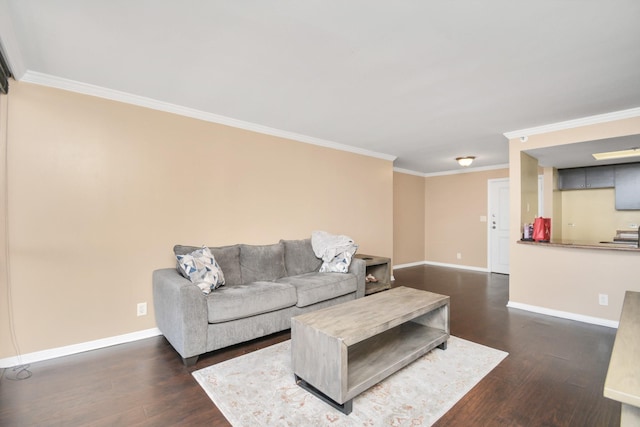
(499, 225)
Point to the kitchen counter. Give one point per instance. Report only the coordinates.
(584, 245)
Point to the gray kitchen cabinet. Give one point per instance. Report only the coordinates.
(586, 178)
(600, 177)
(572, 179)
(627, 178)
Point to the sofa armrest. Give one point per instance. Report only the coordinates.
(181, 312)
(359, 268)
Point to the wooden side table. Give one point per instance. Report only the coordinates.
(380, 268)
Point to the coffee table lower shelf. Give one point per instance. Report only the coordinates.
(374, 359)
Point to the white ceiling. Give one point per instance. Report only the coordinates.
(426, 81)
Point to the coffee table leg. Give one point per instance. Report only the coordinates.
(345, 407)
(443, 346)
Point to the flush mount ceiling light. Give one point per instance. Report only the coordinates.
(465, 161)
(631, 152)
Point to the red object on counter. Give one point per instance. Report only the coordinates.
(542, 229)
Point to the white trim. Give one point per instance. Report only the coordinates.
(564, 314)
(440, 264)
(452, 172)
(408, 172)
(77, 348)
(141, 101)
(462, 267)
(468, 170)
(411, 264)
(570, 124)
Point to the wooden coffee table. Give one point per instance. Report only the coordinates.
(340, 351)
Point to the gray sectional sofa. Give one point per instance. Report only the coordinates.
(265, 286)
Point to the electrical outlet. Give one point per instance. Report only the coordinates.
(603, 299)
(142, 309)
(459, 255)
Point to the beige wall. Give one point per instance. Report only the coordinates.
(408, 218)
(529, 187)
(591, 215)
(453, 207)
(100, 191)
(553, 202)
(566, 279)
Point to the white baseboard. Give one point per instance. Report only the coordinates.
(411, 264)
(77, 348)
(441, 264)
(564, 314)
(462, 267)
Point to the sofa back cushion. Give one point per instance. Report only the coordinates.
(262, 262)
(227, 257)
(299, 257)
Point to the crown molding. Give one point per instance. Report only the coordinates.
(468, 170)
(452, 172)
(408, 172)
(570, 124)
(141, 101)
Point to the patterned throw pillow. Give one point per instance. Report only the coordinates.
(202, 269)
(340, 263)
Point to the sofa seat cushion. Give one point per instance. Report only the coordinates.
(317, 287)
(236, 302)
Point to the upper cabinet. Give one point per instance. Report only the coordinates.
(627, 186)
(586, 178)
(625, 178)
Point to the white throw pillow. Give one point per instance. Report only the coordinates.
(340, 263)
(201, 268)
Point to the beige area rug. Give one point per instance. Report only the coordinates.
(258, 389)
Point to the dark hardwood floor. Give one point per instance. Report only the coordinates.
(553, 376)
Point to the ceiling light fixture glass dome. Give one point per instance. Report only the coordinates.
(465, 161)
